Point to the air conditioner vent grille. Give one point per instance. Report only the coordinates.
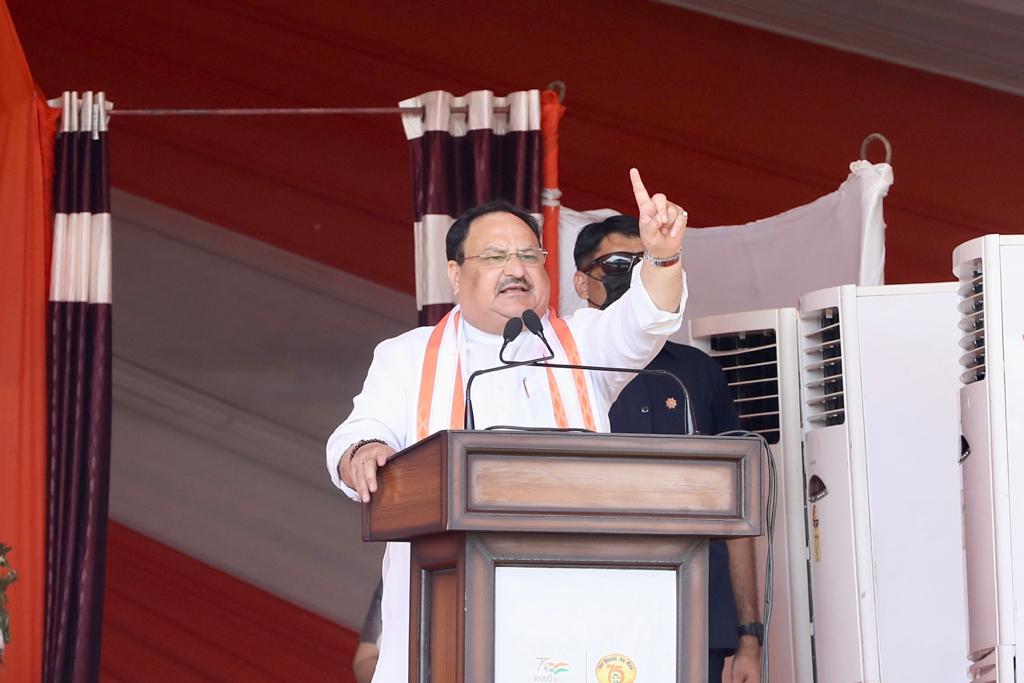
(749, 360)
(972, 321)
(822, 360)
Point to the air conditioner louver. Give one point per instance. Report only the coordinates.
(823, 368)
(750, 362)
(972, 321)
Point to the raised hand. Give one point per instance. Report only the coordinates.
(662, 223)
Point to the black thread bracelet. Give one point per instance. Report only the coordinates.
(359, 444)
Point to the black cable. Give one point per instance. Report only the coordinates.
(769, 565)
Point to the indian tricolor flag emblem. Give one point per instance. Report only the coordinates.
(556, 668)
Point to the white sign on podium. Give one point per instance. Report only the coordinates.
(581, 625)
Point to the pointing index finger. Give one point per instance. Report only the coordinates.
(639, 191)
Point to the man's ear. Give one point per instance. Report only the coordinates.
(581, 285)
(453, 276)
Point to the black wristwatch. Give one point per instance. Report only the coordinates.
(755, 629)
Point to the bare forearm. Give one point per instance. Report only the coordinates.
(746, 663)
(743, 576)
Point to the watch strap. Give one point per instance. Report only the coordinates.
(754, 628)
(663, 262)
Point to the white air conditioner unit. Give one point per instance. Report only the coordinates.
(758, 353)
(991, 325)
(881, 438)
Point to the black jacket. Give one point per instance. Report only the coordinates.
(654, 405)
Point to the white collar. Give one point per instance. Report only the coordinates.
(477, 336)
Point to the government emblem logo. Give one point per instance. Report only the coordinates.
(615, 668)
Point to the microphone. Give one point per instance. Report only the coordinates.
(534, 325)
(513, 328)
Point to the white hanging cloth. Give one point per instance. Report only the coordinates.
(835, 240)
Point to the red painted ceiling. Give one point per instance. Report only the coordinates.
(735, 123)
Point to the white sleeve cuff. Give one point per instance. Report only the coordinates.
(651, 318)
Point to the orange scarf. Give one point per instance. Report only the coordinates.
(428, 378)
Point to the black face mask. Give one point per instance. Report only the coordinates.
(615, 286)
(618, 272)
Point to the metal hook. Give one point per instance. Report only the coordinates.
(881, 138)
(558, 87)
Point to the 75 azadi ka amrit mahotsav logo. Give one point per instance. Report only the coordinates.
(550, 670)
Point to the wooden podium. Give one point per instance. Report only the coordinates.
(472, 502)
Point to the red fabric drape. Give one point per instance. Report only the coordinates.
(754, 123)
(169, 617)
(551, 112)
(27, 128)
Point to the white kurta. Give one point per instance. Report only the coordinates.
(629, 333)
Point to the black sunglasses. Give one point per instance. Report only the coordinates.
(615, 263)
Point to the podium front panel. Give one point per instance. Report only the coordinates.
(681, 563)
(572, 623)
(556, 482)
(604, 483)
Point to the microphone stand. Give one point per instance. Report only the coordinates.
(512, 329)
(534, 325)
(690, 426)
(470, 421)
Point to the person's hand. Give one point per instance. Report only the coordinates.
(662, 223)
(746, 663)
(364, 663)
(360, 472)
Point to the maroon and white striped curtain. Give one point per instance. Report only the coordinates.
(79, 361)
(466, 151)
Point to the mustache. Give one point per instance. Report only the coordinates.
(507, 282)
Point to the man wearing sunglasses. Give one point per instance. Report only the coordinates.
(415, 385)
(606, 254)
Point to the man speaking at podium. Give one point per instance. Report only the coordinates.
(416, 383)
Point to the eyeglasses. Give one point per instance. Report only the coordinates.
(498, 258)
(615, 263)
